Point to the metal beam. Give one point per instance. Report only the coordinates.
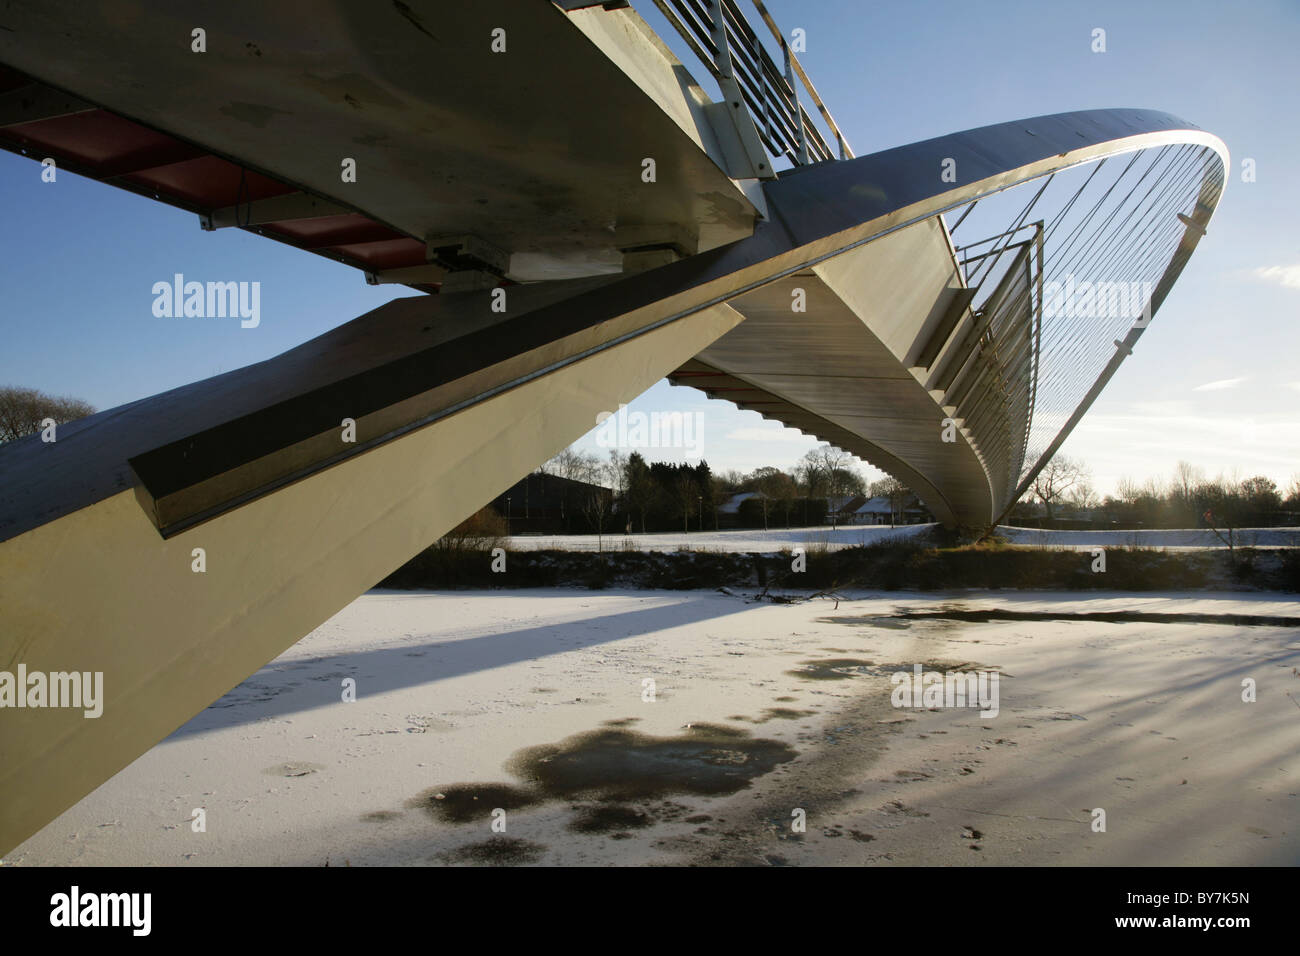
(284, 208)
(429, 272)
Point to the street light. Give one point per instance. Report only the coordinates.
(507, 516)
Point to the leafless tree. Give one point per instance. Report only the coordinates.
(1127, 490)
(616, 478)
(1293, 492)
(729, 481)
(809, 474)
(834, 465)
(22, 410)
(1058, 476)
(688, 494)
(1186, 477)
(1083, 496)
(574, 465)
(598, 501)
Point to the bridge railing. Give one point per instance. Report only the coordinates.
(723, 39)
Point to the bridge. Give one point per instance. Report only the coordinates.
(587, 220)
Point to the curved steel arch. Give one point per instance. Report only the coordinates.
(819, 213)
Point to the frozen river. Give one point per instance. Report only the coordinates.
(639, 727)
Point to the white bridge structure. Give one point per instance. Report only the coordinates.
(587, 219)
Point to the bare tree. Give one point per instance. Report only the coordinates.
(1127, 490)
(688, 493)
(835, 467)
(1293, 492)
(574, 465)
(808, 471)
(1186, 478)
(729, 481)
(23, 410)
(1083, 497)
(616, 477)
(1057, 477)
(598, 501)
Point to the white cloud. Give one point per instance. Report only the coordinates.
(1288, 276)
(1219, 386)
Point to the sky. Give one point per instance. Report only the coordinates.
(1215, 380)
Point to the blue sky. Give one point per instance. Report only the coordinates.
(1215, 379)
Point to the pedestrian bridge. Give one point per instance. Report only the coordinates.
(587, 220)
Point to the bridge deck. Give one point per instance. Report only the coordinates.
(537, 150)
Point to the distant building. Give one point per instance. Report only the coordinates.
(548, 503)
(879, 510)
(840, 509)
(729, 510)
(874, 511)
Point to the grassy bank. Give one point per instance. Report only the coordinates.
(891, 565)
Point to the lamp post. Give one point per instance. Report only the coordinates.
(507, 516)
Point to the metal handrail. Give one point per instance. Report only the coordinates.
(845, 151)
(722, 38)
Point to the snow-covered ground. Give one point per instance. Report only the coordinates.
(761, 715)
(745, 540)
(1171, 540)
(742, 540)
